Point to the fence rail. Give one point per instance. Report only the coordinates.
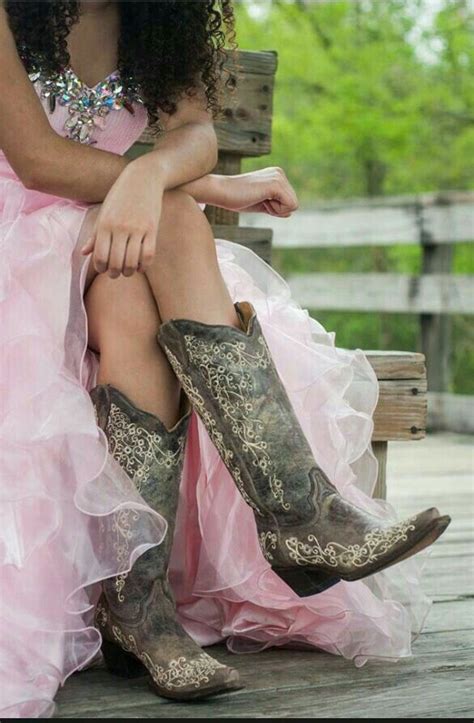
(435, 222)
(429, 219)
(401, 293)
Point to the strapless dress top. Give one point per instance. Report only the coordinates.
(105, 115)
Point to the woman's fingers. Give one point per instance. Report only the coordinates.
(148, 250)
(283, 193)
(118, 250)
(132, 255)
(274, 208)
(102, 250)
(285, 201)
(268, 208)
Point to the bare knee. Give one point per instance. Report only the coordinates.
(184, 230)
(121, 311)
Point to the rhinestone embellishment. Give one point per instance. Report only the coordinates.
(87, 107)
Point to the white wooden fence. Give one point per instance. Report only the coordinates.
(434, 221)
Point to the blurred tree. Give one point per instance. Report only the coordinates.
(365, 102)
(372, 97)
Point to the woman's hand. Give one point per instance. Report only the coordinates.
(266, 190)
(124, 237)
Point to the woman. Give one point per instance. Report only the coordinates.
(142, 358)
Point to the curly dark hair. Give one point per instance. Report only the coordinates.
(166, 47)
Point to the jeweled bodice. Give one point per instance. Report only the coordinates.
(105, 116)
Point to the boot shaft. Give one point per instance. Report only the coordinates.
(230, 377)
(153, 457)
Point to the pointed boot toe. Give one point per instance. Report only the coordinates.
(402, 540)
(200, 678)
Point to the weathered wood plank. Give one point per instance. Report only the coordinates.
(449, 219)
(397, 364)
(442, 219)
(330, 225)
(401, 410)
(453, 615)
(286, 683)
(453, 548)
(448, 577)
(245, 125)
(436, 328)
(448, 588)
(257, 62)
(401, 700)
(462, 564)
(403, 293)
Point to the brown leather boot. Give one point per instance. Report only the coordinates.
(311, 536)
(136, 613)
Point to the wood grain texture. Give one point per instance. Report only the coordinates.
(401, 410)
(397, 364)
(436, 329)
(407, 220)
(244, 127)
(286, 683)
(401, 293)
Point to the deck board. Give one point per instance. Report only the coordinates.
(434, 683)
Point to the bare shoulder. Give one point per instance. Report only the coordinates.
(23, 123)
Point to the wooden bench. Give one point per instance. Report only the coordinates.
(245, 131)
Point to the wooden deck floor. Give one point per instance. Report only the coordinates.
(435, 683)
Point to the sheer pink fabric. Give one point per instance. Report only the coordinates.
(70, 517)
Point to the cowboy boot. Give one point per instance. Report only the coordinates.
(136, 613)
(308, 532)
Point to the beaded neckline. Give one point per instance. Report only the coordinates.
(113, 74)
(88, 106)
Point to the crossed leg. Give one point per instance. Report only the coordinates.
(124, 314)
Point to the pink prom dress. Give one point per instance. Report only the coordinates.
(60, 488)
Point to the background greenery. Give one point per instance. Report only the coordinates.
(372, 97)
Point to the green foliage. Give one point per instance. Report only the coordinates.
(367, 100)
(372, 97)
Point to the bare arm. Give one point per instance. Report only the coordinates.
(41, 158)
(129, 217)
(45, 161)
(187, 150)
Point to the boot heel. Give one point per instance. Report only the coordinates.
(306, 582)
(121, 663)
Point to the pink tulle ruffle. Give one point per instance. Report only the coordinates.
(70, 517)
